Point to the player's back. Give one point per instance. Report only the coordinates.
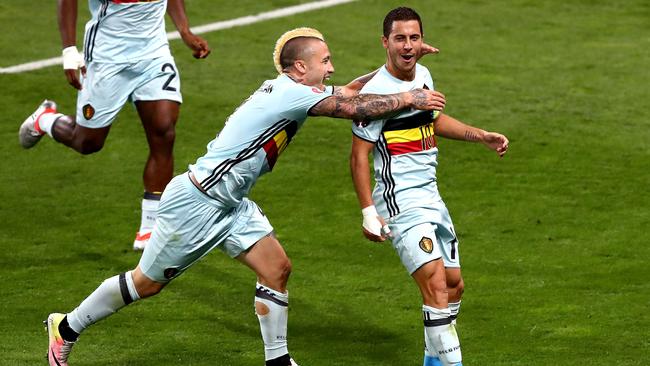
(125, 31)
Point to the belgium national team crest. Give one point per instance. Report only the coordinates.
(88, 111)
(426, 244)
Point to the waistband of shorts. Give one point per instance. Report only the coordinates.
(201, 195)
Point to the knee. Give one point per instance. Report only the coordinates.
(149, 290)
(164, 134)
(88, 147)
(284, 270)
(278, 276)
(456, 289)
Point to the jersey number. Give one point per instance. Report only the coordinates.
(171, 77)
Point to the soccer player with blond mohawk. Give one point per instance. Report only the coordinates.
(207, 207)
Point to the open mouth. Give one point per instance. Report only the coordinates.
(407, 57)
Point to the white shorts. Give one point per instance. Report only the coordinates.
(421, 235)
(107, 86)
(190, 224)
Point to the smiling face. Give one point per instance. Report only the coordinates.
(318, 64)
(402, 46)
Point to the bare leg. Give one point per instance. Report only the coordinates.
(272, 266)
(159, 122)
(82, 139)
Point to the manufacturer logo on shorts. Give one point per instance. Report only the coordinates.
(88, 111)
(170, 273)
(426, 244)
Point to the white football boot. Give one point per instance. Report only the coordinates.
(29, 134)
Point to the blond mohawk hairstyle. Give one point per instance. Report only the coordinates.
(286, 37)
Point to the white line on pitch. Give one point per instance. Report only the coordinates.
(250, 19)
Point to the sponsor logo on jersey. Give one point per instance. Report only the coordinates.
(88, 111)
(426, 244)
(316, 90)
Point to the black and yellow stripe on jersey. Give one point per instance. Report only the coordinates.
(410, 134)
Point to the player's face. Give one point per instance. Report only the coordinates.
(402, 46)
(318, 65)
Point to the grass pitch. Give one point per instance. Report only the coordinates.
(553, 237)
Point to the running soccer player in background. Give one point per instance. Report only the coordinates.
(126, 57)
(208, 208)
(405, 204)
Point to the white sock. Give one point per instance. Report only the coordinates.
(455, 309)
(46, 121)
(149, 212)
(441, 335)
(112, 295)
(271, 308)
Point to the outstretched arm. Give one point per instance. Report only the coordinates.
(198, 45)
(449, 127)
(360, 170)
(372, 106)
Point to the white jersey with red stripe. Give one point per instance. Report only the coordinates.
(405, 153)
(253, 138)
(125, 31)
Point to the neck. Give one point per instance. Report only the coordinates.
(301, 80)
(400, 74)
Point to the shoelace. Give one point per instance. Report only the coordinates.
(64, 351)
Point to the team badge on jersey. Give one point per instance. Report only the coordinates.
(426, 244)
(88, 111)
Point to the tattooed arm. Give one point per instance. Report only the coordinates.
(372, 106)
(449, 127)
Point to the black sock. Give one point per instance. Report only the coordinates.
(66, 332)
(280, 361)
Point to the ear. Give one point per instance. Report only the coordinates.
(384, 41)
(300, 66)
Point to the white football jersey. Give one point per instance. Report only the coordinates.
(122, 31)
(254, 137)
(405, 153)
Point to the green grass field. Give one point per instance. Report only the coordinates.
(554, 237)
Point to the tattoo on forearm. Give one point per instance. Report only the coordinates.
(366, 106)
(471, 136)
(419, 97)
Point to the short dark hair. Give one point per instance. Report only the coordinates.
(400, 14)
(295, 49)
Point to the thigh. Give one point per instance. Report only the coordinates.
(250, 226)
(447, 239)
(188, 226)
(158, 80)
(105, 89)
(265, 257)
(415, 244)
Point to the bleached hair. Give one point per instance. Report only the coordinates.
(286, 37)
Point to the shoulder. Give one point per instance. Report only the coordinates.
(380, 83)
